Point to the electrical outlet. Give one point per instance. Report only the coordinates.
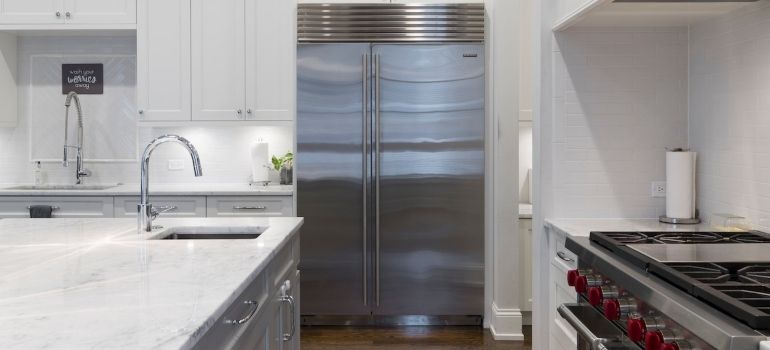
(658, 189)
(175, 164)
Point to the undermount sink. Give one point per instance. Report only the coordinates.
(206, 232)
(62, 187)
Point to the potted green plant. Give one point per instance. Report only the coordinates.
(284, 166)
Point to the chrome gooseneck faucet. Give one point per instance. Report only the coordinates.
(80, 172)
(146, 212)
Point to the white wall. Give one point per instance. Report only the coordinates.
(110, 122)
(619, 98)
(525, 160)
(730, 113)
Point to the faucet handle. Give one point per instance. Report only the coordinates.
(161, 209)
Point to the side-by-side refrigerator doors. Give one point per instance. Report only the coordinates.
(331, 175)
(429, 179)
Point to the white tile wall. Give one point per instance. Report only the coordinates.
(619, 98)
(223, 150)
(730, 112)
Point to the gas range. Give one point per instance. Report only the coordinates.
(672, 290)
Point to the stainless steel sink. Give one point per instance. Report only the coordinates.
(62, 187)
(205, 232)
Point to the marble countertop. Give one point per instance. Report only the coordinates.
(197, 189)
(98, 284)
(583, 227)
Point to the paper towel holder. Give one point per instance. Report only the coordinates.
(679, 221)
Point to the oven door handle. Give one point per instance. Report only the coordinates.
(588, 331)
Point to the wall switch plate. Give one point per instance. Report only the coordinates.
(175, 164)
(658, 189)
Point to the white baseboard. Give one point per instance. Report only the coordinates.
(505, 324)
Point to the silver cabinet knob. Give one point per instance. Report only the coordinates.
(239, 111)
(141, 111)
(58, 14)
(248, 111)
(68, 14)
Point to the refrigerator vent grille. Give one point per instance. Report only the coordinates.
(390, 23)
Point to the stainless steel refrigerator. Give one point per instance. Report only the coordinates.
(390, 171)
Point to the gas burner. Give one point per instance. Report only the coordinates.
(755, 273)
(749, 238)
(630, 237)
(690, 238)
(703, 272)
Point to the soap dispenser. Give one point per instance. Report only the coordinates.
(40, 175)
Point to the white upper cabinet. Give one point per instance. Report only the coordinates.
(163, 60)
(67, 11)
(31, 11)
(270, 59)
(100, 11)
(218, 60)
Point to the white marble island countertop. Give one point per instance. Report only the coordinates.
(98, 284)
(196, 189)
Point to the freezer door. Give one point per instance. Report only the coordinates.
(330, 168)
(429, 179)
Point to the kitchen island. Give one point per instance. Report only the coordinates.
(97, 283)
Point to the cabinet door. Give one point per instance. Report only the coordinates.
(218, 60)
(271, 43)
(31, 11)
(64, 207)
(293, 342)
(100, 11)
(250, 206)
(172, 206)
(163, 60)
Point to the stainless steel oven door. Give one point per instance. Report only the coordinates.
(594, 331)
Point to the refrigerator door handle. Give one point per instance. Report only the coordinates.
(378, 133)
(364, 167)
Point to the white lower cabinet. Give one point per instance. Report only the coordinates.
(562, 335)
(525, 229)
(249, 206)
(172, 206)
(266, 315)
(63, 207)
(169, 206)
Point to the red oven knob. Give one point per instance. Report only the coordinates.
(580, 284)
(572, 275)
(612, 309)
(636, 329)
(653, 340)
(597, 294)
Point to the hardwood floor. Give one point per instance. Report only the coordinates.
(403, 338)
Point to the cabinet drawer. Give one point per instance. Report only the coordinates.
(184, 207)
(64, 207)
(224, 333)
(249, 206)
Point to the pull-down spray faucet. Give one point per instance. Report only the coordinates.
(80, 172)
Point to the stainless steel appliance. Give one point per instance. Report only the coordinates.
(390, 163)
(670, 290)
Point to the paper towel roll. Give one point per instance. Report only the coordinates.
(259, 154)
(680, 185)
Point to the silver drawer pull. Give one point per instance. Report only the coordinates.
(53, 207)
(290, 300)
(254, 305)
(257, 207)
(564, 257)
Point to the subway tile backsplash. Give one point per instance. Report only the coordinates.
(729, 104)
(111, 134)
(620, 98)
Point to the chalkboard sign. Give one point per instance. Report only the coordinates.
(82, 78)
